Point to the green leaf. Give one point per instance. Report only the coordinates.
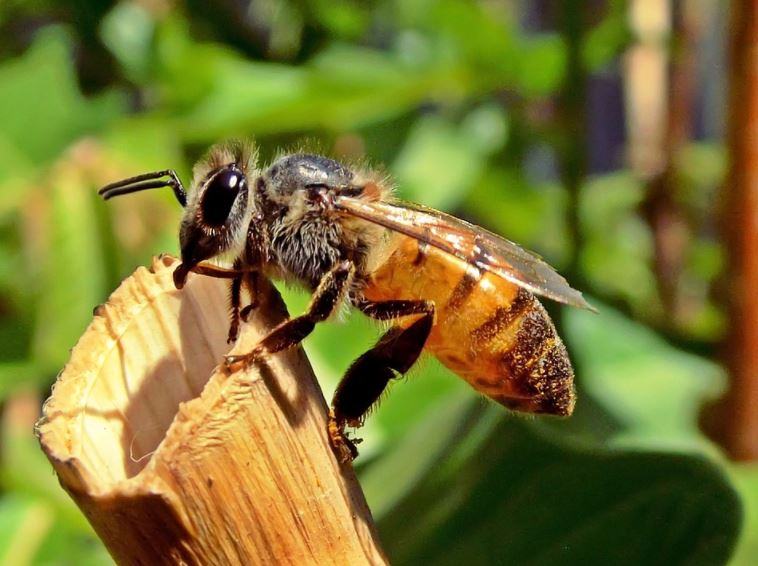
(482, 34)
(745, 478)
(31, 533)
(605, 41)
(213, 92)
(17, 170)
(654, 390)
(523, 498)
(17, 375)
(128, 31)
(437, 166)
(42, 82)
(343, 18)
(424, 442)
(26, 471)
(64, 547)
(72, 252)
(618, 249)
(24, 524)
(542, 65)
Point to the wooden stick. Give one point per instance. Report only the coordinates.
(174, 462)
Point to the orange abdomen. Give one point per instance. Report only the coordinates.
(493, 334)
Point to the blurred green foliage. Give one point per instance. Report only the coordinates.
(457, 99)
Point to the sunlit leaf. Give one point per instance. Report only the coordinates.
(128, 31)
(42, 83)
(24, 524)
(437, 165)
(655, 390)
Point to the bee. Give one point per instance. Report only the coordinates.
(447, 287)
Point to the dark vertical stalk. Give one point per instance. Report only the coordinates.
(573, 151)
(736, 419)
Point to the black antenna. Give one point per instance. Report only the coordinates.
(144, 182)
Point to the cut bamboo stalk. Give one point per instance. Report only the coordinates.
(175, 462)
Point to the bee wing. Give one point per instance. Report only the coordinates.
(467, 242)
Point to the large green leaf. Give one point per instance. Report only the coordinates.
(525, 498)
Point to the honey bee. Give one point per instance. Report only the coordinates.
(448, 287)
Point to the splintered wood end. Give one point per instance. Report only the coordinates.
(174, 461)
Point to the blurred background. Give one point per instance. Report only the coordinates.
(612, 137)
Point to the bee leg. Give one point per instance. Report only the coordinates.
(289, 333)
(251, 280)
(235, 298)
(181, 272)
(366, 379)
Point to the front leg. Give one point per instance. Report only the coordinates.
(235, 298)
(207, 269)
(326, 298)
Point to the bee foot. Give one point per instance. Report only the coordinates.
(233, 334)
(344, 448)
(235, 363)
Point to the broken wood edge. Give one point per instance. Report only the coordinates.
(244, 474)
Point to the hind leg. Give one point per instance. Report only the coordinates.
(366, 379)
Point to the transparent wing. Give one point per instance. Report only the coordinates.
(469, 243)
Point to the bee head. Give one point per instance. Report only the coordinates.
(214, 221)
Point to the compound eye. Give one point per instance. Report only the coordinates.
(219, 196)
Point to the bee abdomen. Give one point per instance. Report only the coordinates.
(516, 358)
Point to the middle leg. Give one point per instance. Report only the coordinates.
(326, 299)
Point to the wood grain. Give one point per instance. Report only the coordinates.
(174, 462)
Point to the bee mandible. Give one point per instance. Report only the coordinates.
(446, 286)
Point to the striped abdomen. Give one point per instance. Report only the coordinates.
(495, 335)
